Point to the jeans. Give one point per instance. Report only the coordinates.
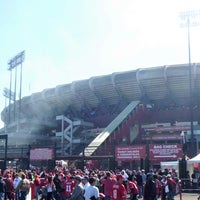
(107, 198)
(8, 195)
(140, 187)
(37, 190)
(23, 195)
(1, 196)
(17, 195)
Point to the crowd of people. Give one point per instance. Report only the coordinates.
(75, 184)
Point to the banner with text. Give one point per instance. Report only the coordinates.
(165, 152)
(39, 154)
(130, 153)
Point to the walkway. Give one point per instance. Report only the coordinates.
(187, 196)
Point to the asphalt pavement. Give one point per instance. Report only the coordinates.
(187, 196)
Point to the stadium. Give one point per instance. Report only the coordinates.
(128, 119)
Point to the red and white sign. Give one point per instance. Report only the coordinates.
(165, 152)
(130, 153)
(41, 154)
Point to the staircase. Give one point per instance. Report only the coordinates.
(116, 130)
(68, 129)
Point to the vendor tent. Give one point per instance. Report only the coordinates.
(169, 165)
(195, 159)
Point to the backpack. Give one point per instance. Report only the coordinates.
(25, 185)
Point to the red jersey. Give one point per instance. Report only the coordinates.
(108, 185)
(132, 188)
(118, 192)
(43, 182)
(9, 185)
(37, 181)
(158, 187)
(69, 187)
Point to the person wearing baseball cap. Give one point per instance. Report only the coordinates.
(92, 192)
(85, 182)
(118, 189)
(77, 194)
(108, 181)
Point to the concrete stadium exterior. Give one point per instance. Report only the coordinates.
(166, 95)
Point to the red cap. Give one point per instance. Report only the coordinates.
(120, 176)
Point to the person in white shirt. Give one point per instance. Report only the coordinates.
(92, 192)
(125, 175)
(16, 181)
(85, 183)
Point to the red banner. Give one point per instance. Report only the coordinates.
(165, 152)
(130, 153)
(39, 154)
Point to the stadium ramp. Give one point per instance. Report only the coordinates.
(101, 138)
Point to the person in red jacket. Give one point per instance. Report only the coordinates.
(37, 183)
(107, 183)
(69, 186)
(118, 189)
(172, 187)
(9, 187)
(132, 188)
(158, 186)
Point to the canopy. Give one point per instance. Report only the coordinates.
(195, 159)
(169, 165)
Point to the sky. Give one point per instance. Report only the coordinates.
(70, 40)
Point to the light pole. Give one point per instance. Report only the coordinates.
(188, 18)
(11, 96)
(12, 64)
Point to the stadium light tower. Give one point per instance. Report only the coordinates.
(12, 64)
(10, 95)
(189, 20)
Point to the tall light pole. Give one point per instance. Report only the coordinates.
(12, 64)
(11, 96)
(188, 19)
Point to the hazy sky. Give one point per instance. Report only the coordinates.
(69, 40)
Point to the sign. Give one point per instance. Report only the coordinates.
(130, 153)
(163, 137)
(165, 152)
(167, 129)
(41, 154)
